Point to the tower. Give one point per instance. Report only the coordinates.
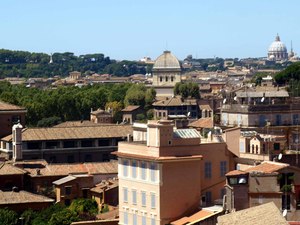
(17, 142)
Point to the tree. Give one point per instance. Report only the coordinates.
(8, 216)
(291, 72)
(135, 95)
(187, 89)
(149, 97)
(63, 217)
(49, 122)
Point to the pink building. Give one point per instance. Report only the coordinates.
(169, 175)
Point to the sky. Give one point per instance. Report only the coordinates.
(132, 29)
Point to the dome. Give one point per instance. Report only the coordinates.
(277, 46)
(167, 61)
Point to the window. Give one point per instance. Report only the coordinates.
(125, 168)
(172, 78)
(71, 159)
(134, 197)
(256, 148)
(144, 222)
(134, 219)
(232, 180)
(160, 79)
(207, 169)
(126, 218)
(222, 193)
(88, 158)
(278, 120)
(286, 202)
(144, 170)
(103, 142)
(68, 190)
(295, 119)
(153, 203)
(276, 146)
(69, 144)
(153, 172)
(223, 168)
(153, 221)
(143, 198)
(133, 168)
(87, 143)
(167, 78)
(125, 195)
(208, 197)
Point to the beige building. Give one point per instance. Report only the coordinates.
(169, 174)
(166, 73)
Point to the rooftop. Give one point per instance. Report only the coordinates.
(130, 108)
(202, 123)
(19, 197)
(10, 107)
(258, 215)
(174, 101)
(76, 168)
(69, 133)
(9, 169)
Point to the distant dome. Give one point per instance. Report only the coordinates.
(166, 61)
(277, 49)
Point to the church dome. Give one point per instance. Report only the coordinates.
(166, 61)
(277, 49)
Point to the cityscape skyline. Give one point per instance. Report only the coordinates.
(131, 30)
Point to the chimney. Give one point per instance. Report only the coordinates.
(17, 142)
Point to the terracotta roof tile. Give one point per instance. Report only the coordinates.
(76, 168)
(236, 173)
(9, 107)
(130, 108)
(202, 123)
(174, 101)
(8, 169)
(259, 215)
(12, 197)
(63, 133)
(267, 167)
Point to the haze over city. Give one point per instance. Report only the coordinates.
(134, 29)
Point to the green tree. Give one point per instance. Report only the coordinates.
(135, 95)
(49, 122)
(8, 217)
(63, 217)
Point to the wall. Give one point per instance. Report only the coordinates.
(180, 192)
(6, 122)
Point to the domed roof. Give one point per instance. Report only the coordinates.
(166, 61)
(277, 46)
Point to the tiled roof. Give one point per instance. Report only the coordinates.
(201, 215)
(174, 101)
(236, 173)
(18, 197)
(84, 123)
(267, 167)
(8, 169)
(76, 168)
(9, 107)
(202, 123)
(63, 133)
(130, 108)
(266, 214)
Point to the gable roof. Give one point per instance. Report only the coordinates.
(258, 215)
(76, 168)
(203, 123)
(19, 197)
(8, 169)
(69, 133)
(4, 106)
(130, 108)
(175, 101)
(267, 167)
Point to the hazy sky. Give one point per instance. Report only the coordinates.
(127, 29)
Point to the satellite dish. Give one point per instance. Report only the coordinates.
(284, 213)
(280, 156)
(188, 114)
(224, 101)
(235, 98)
(262, 99)
(209, 133)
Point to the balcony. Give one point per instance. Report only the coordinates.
(238, 108)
